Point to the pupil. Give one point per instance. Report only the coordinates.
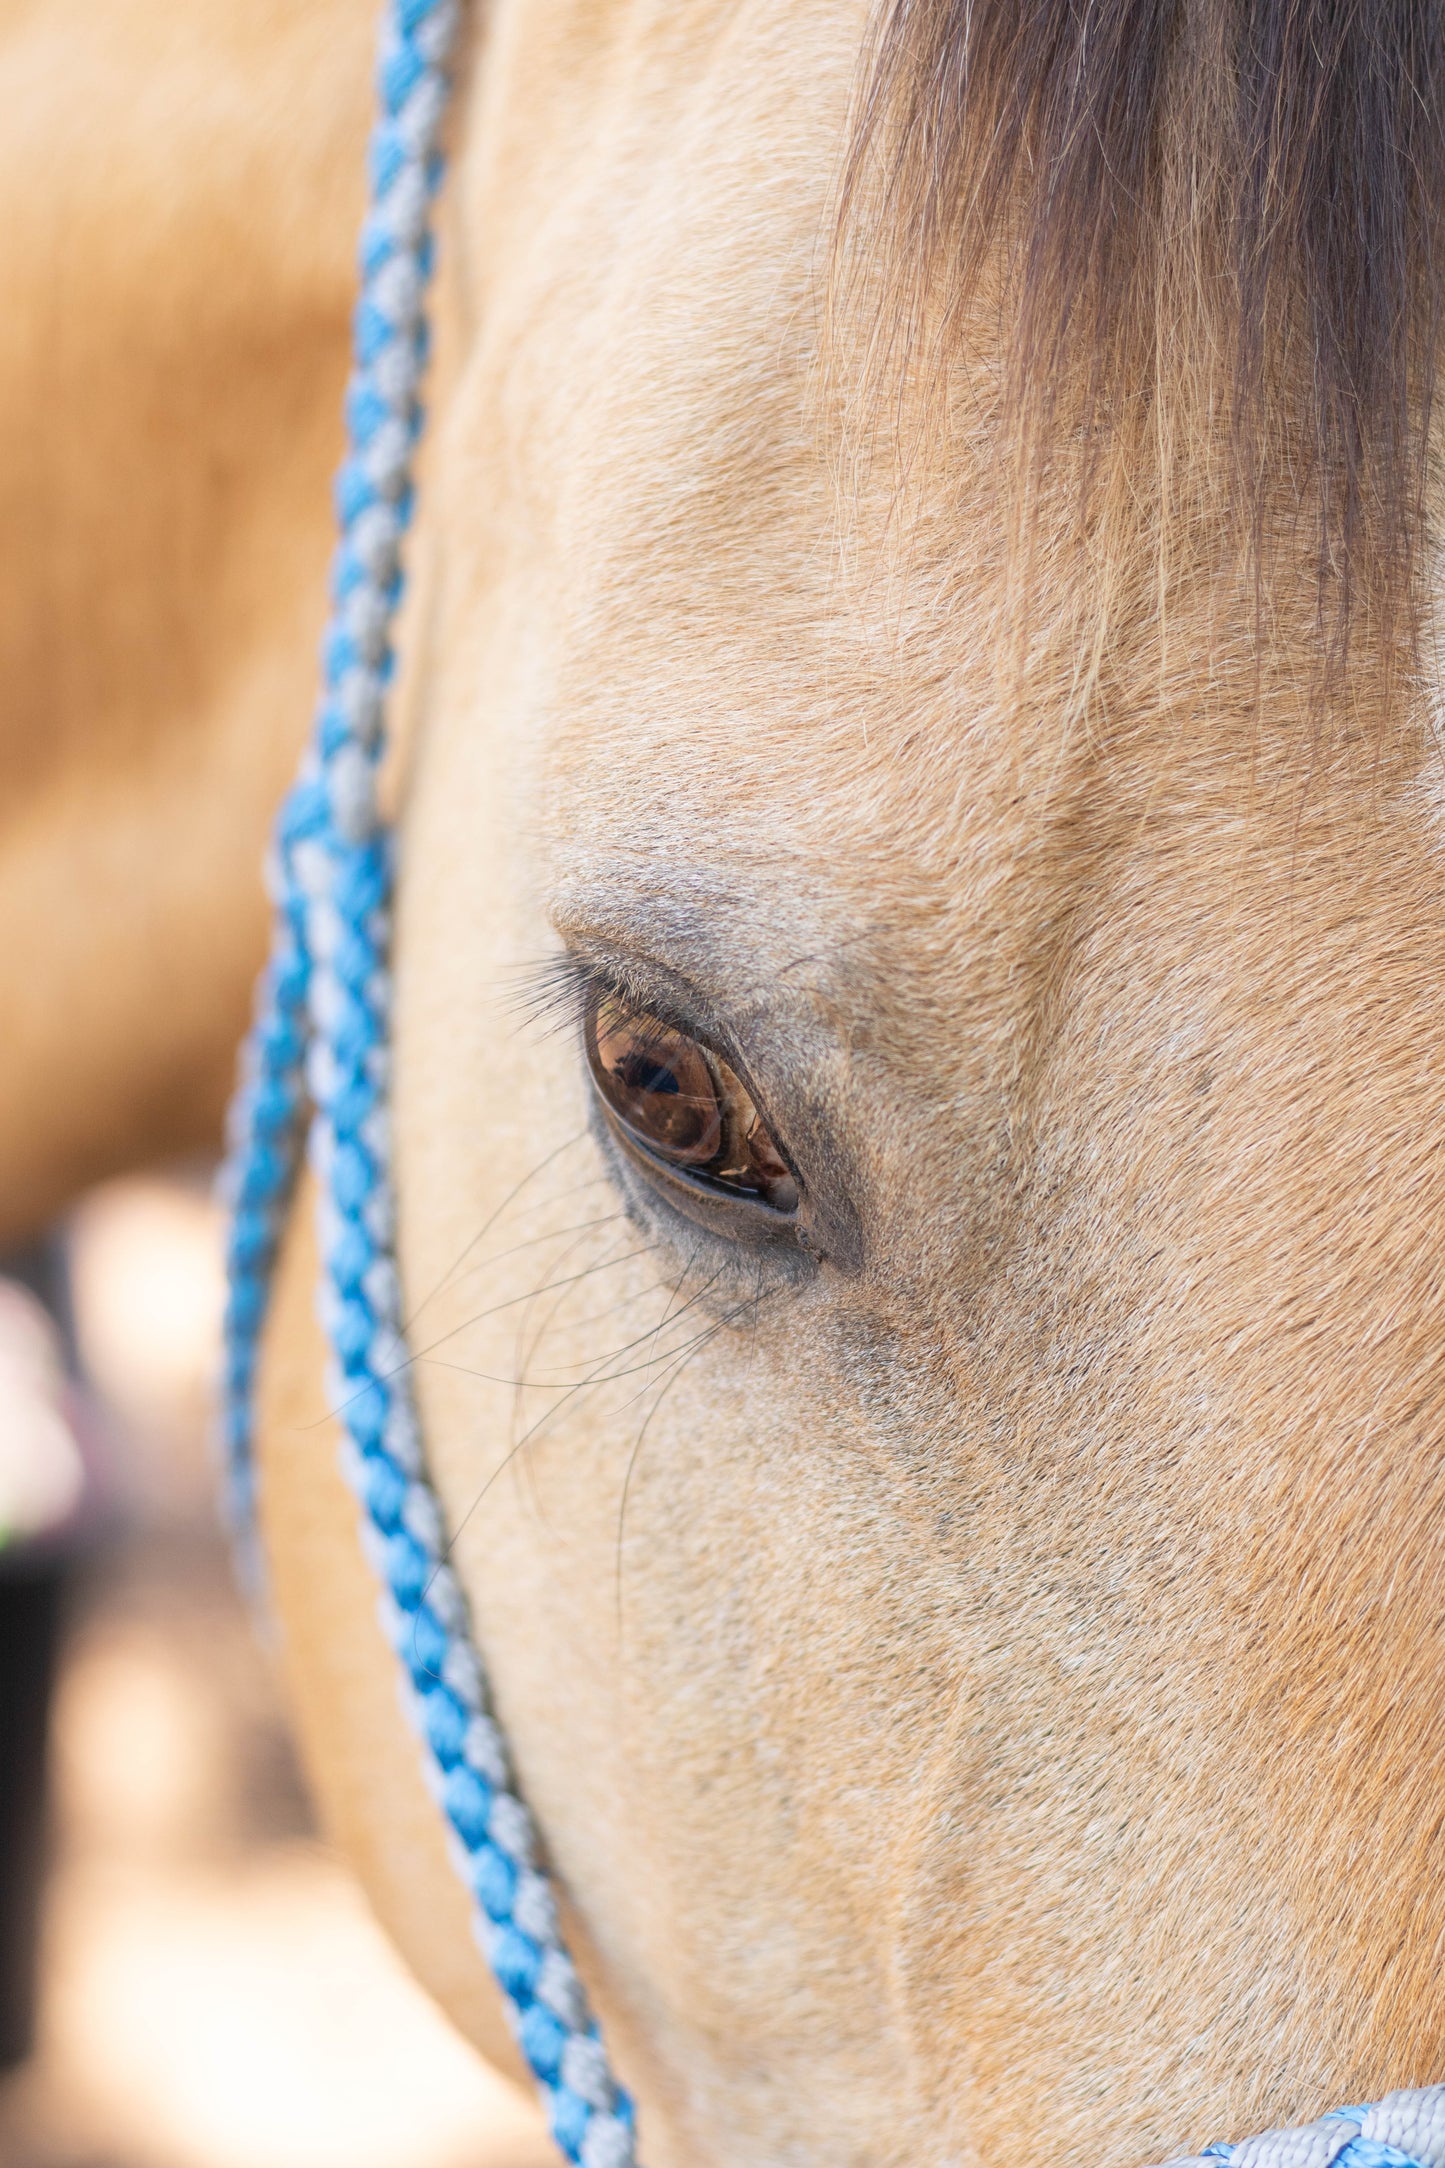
(642, 1075)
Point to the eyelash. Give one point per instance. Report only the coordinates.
(557, 994)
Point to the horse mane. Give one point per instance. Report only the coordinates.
(1248, 191)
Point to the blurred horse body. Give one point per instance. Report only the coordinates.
(976, 1669)
(181, 197)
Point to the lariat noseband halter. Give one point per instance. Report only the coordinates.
(315, 1071)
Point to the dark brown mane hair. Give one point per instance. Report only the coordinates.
(1274, 168)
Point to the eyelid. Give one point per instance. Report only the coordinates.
(748, 1222)
(560, 991)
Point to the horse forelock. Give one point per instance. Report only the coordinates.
(1204, 238)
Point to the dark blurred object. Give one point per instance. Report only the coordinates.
(213, 1991)
(40, 1501)
(32, 1595)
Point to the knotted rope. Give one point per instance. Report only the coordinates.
(316, 1068)
(321, 1037)
(1404, 2130)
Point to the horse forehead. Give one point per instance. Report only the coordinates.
(646, 250)
(747, 658)
(736, 687)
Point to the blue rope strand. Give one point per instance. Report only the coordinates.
(320, 1042)
(316, 1068)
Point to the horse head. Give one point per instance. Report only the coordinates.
(915, 1099)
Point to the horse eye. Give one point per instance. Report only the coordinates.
(681, 1104)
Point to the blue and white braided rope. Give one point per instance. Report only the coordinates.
(1404, 2130)
(317, 1063)
(321, 1040)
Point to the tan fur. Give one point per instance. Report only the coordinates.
(181, 192)
(982, 1696)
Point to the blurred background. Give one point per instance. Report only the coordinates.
(212, 1990)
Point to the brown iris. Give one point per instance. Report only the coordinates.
(681, 1104)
